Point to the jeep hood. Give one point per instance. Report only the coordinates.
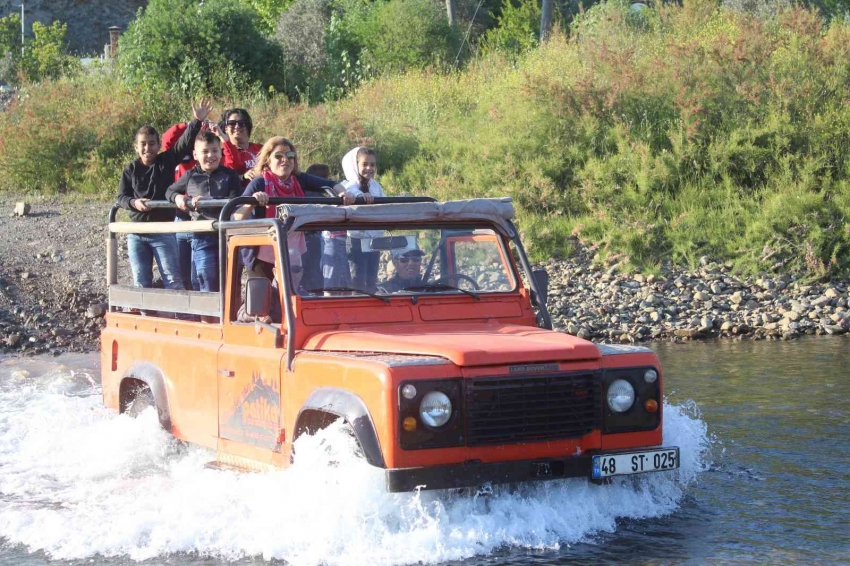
(464, 344)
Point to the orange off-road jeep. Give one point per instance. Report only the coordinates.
(446, 369)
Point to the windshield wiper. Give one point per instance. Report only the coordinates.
(440, 286)
(352, 289)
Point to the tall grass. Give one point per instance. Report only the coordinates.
(660, 136)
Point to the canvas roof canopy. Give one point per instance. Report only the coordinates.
(498, 211)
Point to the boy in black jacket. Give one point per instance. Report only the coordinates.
(145, 179)
(208, 179)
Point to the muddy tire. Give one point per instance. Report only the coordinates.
(141, 400)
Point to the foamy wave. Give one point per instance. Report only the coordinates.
(77, 481)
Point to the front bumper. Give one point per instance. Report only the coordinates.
(475, 473)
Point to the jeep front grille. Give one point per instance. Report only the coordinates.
(533, 408)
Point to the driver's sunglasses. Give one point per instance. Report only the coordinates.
(280, 156)
(417, 259)
(234, 123)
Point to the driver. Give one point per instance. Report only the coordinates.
(407, 262)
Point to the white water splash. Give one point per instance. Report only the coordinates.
(78, 481)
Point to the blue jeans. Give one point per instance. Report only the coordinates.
(205, 259)
(143, 249)
(184, 253)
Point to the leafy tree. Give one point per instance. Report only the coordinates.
(518, 28)
(214, 47)
(833, 8)
(396, 35)
(320, 48)
(10, 48)
(269, 12)
(45, 56)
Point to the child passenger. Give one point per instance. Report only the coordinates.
(208, 179)
(146, 179)
(359, 166)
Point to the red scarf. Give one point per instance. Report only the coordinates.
(274, 187)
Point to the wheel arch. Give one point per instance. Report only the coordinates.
(327, 404)
(146, 374)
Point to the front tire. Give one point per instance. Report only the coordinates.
(141, 400)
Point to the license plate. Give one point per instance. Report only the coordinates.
(624, 464)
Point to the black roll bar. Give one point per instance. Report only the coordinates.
(526, 265)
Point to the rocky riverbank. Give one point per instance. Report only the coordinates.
(594, 301)
(53, 292)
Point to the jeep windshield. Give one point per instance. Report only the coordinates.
(414, 261)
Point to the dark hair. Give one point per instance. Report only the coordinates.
(363, 181)
(319, 170)
(249, 125)
(147, 131)
(207, 137)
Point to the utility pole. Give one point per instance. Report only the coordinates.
(546, 21)
(451, 12)
(23, 27)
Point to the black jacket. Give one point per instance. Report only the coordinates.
(142, 181)
(223, 183)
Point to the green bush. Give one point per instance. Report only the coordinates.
(399, 35)
(213, 47)
(517, 30)
(45, 54)
(10, 48)
(692, 130)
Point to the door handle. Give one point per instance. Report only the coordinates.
(226, 372)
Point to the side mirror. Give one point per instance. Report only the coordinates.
(258, 298)
(541, 280)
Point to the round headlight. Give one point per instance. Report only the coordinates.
(650, 376)
(408, 392)
(435, 409)
(621, 396)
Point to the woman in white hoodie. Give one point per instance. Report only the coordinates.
(359, 166)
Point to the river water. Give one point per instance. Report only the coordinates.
(762, 428)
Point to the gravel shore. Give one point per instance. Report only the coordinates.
(53, 291)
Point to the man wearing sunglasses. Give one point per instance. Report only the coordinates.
(408, 270)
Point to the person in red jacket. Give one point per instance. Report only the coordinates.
(238, 152)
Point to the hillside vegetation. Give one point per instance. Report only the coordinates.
(660, 135)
